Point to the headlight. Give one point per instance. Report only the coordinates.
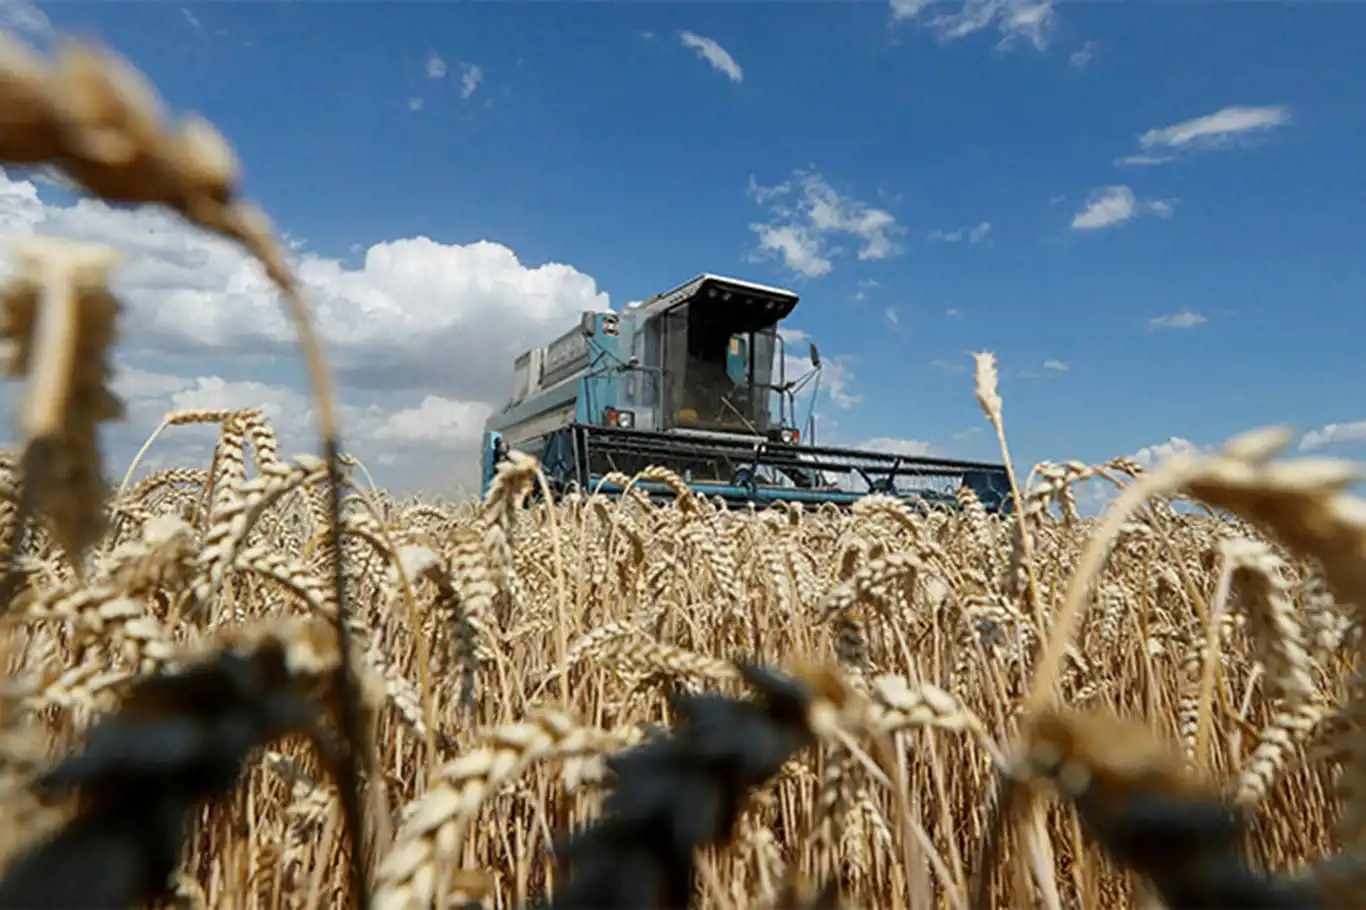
(789, 436)
(623, 419)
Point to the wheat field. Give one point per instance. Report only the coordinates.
(499, 651)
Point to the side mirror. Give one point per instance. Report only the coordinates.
(815, 356)
(588, 324)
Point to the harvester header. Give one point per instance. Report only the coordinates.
(694, 380)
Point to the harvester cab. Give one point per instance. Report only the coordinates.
(695, 380)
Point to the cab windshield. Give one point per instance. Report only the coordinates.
(715, 377)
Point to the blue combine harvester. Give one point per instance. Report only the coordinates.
(694, 380)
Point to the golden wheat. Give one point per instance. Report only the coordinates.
(485, 729)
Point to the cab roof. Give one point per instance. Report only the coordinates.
(781, 302)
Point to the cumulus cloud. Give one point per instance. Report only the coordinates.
(1182, 320)
(806, 212)
(880, 444)
(432, 443)
(435, 66)
(712, 52)
(1148, 456)
(25, 18)
(436, 69)
(470, 78)
(837, 381)
(801, 250)
(1114, 205)
(1334, 434)
(435, 421)
(836, 378)
(1082, 56)
(397, 321)
(1095, 494)
(1015, 20)
(892, 446)
(420, 334)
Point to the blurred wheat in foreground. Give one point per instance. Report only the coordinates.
(459, 615)
(258, 683)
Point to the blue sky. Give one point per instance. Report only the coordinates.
(1149, 211)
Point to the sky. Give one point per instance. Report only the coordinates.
(1149, 211)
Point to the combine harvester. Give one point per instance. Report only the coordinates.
(694, 380)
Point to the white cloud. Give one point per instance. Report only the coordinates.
(1216, 130)
(432, 444)
(975, 234)
(1112, 205)
(834, 388)
(886, 445)
(1182, 320)
(1028, 20)
(436, 421)
(893, 318)
(1049, 369)
(891, 446)
(470, 78)
(1162, 208)
(1082, 56)
(25, 18)
(416, 104)
(953, 313)
(1143, 160)
(806, 211)
(909, 9)
(192, 19)
(1220, 130)
(415, 325)
(1096, 494)
(285, 406)
(1334, 434)
(1148, 456)
(799, 247)
(837, 380)
(719, 58)
(436, 67)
